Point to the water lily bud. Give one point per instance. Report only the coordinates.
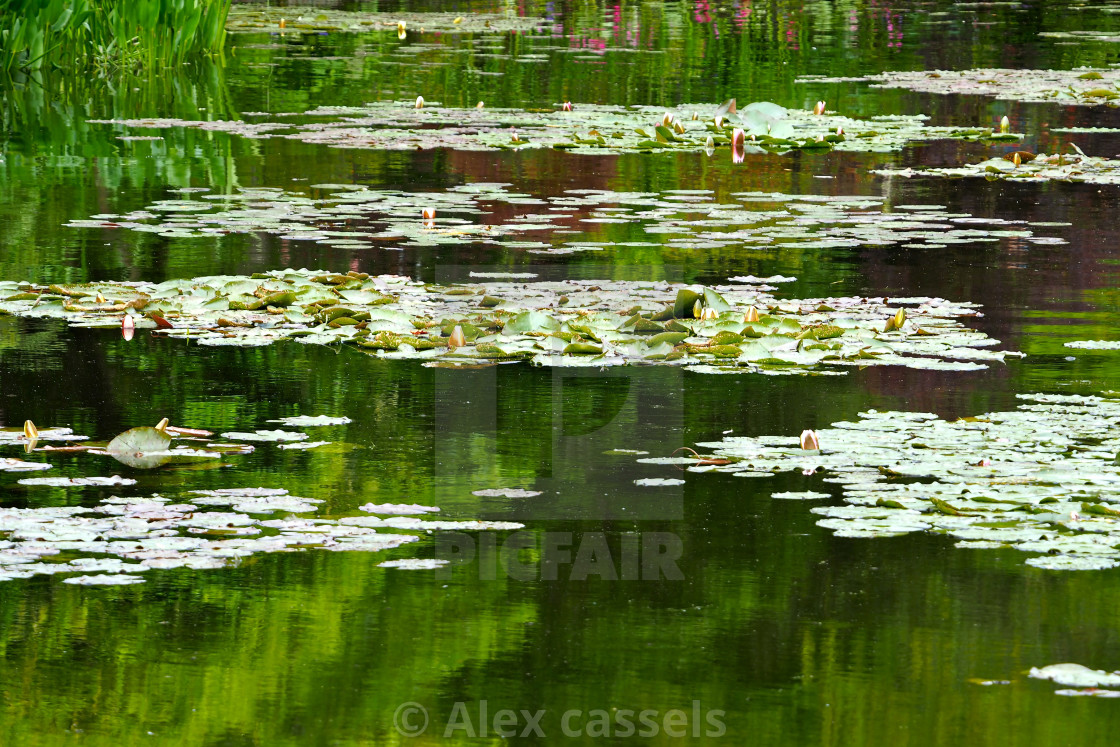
(710, 145)
(896, 321)
(1005, 125)
(695, 116)
(401, 32)
(751, 315)
(1015, 159)
(810, 441)
(708, 313)
(567, 106)
(719, 121)
(99, 298)
(30, 431)
(1074, 516)
(419, 102)
(738, 138)
(697, 309)
(457, 339)
(128, 327)
(819, 108)
(458, 20)
(479, 105)
(283, 23)
(161, 426)
(667, 119)
(840, 130)
(678, 128)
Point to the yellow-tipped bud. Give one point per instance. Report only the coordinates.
(161, 426)
(479, 105)
(457, 339)
(100, 298)
(1015, 159)
(30, 432)
(708, 313)
(810, 441)
(419, 102)
(283, 23)
(751, 315)
(678, 128)
(697, 309)
(667, 119)
(1005, 125)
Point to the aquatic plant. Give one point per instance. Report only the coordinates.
(568, 323)
(111, 33)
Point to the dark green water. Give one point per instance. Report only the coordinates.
(776, 629)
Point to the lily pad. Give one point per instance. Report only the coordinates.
(312, 420)
(414, 564)
(1076, 675)
(142, 448)
(506, 493)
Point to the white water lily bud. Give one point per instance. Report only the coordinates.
(128, 327)
(751, 315)
(810, 441)
(457, 339)
(678, 128)
(479, 105)
(708, 313)
(819, 108)
(719, 121)
(1005, 125)
(667, 119)
(738, 138)
(419, 102)
(840, 130)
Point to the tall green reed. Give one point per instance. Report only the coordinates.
(130, 34)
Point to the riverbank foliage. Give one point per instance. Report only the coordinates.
(107, 34)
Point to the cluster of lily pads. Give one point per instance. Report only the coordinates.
(1078, 87)
(1043, 478)
(586, 128)
(246, 18)
(734, 328)
(123, 536)
(357, 217)
(1029, 167)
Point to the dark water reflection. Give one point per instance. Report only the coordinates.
(799, 636)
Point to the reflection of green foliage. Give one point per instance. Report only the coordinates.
(127, 34)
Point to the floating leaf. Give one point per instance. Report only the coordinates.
(142, 448)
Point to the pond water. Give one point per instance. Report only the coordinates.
(760, 626)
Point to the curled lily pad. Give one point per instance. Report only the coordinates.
(506, 493)
(312, 420)
(8, 464)
(1076, 675)
(414, 564)
(397, 509)
(108, 579)
(266, 435)
(68, 482)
